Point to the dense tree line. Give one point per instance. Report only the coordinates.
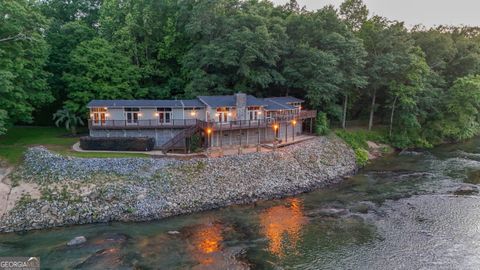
(421, 83)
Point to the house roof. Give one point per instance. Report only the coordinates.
(286, 99)
(145, 103)
(229, 101)
(273, 105)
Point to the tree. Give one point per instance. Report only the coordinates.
(389, 48)
(98, 71)
(23, 52)
(69, 119)
(355, 13)
(235, 49)
(462, 108)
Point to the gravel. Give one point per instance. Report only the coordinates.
(88, 190)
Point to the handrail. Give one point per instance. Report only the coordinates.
(183, 123)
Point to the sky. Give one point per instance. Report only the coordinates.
(412, 12)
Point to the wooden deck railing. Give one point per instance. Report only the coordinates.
(185, 123)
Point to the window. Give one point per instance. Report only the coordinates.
(99, 116)
(132, 114)
(254, 113)
(223, 114)
(164, 115)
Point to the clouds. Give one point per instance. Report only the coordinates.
(427, 12)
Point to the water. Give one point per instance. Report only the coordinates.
(398, 213)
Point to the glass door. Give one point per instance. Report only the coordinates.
(131, 116)
(99, 116)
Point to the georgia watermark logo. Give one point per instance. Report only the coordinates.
(19, 263)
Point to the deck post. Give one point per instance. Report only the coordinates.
(286, 132)
(311, 125)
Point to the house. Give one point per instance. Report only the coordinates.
(231, 120)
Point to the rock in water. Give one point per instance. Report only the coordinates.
(77, 241)
(466, 190)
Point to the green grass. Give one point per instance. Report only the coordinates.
(19, 139)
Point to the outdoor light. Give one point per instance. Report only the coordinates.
(107, 115)
(229, 114)
(209, 130)
(259, 113)
(140, 114)
(275, 126)
(217, 114)
(157, 114)
(294, 122)
(193, 113)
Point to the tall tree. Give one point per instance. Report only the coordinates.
(98, 71)
(355, 13)
(23, 53)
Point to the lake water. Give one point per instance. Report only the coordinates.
(397, 213)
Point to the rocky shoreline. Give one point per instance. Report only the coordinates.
(81, 191)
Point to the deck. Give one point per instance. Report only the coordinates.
(185, 123)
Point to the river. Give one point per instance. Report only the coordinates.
(400, 212)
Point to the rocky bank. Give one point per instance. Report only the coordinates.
(81, 190)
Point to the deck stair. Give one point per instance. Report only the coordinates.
(182, 135)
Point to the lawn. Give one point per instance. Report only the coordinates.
(18, 139)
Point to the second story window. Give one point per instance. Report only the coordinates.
(223, 114)
(254, 113)
(164, 115)
(98, 116)
(131, 115)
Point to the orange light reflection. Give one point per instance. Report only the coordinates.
(282, 226)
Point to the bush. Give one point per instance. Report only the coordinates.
(361, 155)
(195, 143)
(358, 141)
(321, 125)
(117, 143)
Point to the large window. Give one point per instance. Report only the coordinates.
(223, 114)
(131, 115)
(164, 115)
(98, 116)
(254, 113)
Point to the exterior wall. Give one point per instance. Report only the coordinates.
(199, 114)
(115, 114)
(150, 114)
(161, 136)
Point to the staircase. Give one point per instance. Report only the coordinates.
(185, 133)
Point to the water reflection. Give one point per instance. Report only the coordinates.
(206, 241)
(282, 226)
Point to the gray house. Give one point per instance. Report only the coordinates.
(233, 120)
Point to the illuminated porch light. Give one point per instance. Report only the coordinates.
(193, 113)
(140, 114)
(157, 114)
(275, 127)
(229, 114)
(209, 130)
(294, 122)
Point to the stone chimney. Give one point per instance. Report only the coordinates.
(241, 103)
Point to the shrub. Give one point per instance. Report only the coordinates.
(195, 143)
(321, 125)
(358, 141)
(117, 143)
(361, 155)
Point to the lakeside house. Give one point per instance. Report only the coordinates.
(221, 121)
